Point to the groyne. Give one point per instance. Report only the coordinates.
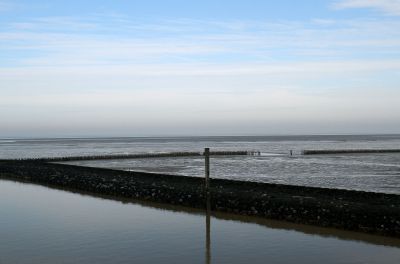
(350, 210)
(347, 151)
(142, 156)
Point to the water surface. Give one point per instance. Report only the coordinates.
(41, 225)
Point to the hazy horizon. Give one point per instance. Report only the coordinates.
(197, 136)
(157, 68)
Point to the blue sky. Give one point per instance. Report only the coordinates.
(135, 68)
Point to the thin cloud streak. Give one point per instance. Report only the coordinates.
(281, 68)
(391, 7)
(254, 41)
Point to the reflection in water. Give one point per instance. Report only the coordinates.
(268, 223)
(208, 230)
(40, 225)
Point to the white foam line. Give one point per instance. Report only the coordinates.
(7, 141)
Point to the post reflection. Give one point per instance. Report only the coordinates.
(208, 230)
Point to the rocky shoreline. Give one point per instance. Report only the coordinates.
(368, 212)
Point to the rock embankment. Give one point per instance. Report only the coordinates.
(347, 151)
(141, 156)
(350, 210)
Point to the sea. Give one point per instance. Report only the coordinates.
(365, 172)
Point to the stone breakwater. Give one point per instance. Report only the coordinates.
(351, 210)
(142, 156)
(347, 151)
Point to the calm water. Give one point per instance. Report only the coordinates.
(41, 225)
(370, 172)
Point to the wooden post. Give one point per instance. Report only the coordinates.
(208, 204)
(207, 168)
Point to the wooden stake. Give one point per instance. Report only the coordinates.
(207, 168)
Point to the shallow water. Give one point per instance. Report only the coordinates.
(378, 173)
(41, 225)
(369, 172)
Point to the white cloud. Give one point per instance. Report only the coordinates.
(391, 7)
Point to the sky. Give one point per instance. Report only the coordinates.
(210, 67)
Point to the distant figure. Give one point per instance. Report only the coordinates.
(291, 152)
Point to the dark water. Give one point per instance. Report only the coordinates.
(41, 225)
(369, 172)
